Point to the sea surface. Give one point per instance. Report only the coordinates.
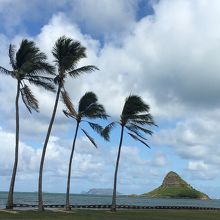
(83, 199)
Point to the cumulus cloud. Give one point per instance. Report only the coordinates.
(172, 67)
(170, 58)
(118, 17)
(15, 14)
(91, 167)
(196, 141)
(202, 170)
(162, 64)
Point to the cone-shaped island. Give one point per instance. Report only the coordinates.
(174, 186)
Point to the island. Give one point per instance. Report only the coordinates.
(100, 191)
(174, 186)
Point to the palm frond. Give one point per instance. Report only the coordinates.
(142, 119)
(138, 139)
(89, 137)
(57, 80)
(89, 107)
(84, 69)
(7, 72)
(29, 99)
(11, 54)
(133, 105)
(135, 131)
(27, 53)
(137, 127)
(68, 103)
(68, 114)
(106, 131)
(29, 59)
(67, 53)
(86, 101)
(44, 84)
(95, 111)
(39, 77)
(96, 127)
(39, 67)
(143, 122)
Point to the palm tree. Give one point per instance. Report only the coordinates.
(88, 108)
(28, 65)
(135, 115)
(67, 53)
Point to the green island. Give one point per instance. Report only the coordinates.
(107, 215)
(174, 186)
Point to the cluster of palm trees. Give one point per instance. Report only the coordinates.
(30, 66)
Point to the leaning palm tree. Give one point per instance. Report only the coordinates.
(67, 54)
(88, 108)
(135, 115)
(28, 65)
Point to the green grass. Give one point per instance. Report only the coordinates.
(107, 215)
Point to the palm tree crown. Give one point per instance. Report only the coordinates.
(29, 64)
(67, 54)
(135, 115)
(88, 108)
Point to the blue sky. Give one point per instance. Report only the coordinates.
(166, 51)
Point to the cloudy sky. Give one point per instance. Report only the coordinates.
(167, 51)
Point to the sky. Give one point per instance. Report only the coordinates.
(166, 51)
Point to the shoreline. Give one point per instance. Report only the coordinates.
(26, 207)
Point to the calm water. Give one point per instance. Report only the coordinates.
(80, 199)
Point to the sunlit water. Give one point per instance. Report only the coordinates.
(81, 199)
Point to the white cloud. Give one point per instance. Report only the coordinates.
(202, 170)
(159, 160)
(196, 141)
(154, 60)
(162, 61)
(16, 15)
(197, 165)
(116, 16)
(105, 17)
(170, 58)
(91, 166)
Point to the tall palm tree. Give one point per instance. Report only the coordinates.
(28, 65)
(135, 115)
(88, 108)
(67, 54)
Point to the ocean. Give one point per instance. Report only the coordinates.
(83, 199)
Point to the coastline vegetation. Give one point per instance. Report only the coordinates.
(174, 192)
(174, 186)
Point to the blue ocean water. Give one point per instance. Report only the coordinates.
(83, 199)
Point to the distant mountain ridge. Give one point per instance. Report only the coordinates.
(174, 186)
(100, 191)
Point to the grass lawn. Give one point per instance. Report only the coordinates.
(107, 215)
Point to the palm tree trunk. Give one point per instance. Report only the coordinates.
(69, 171)
(40, 196)
(113, 207)
(11, 189)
